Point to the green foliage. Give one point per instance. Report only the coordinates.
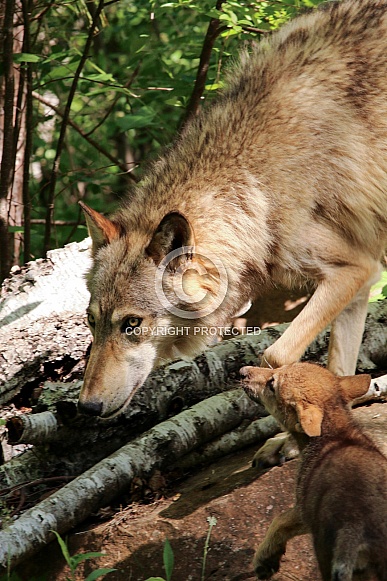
(132, 92)
(379, 290)
(168, 556)
(74, 561)
(168, 560)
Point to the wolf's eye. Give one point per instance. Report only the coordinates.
(131, 323)
(91, 320)
(270, 384)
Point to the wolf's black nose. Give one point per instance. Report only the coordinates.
(90, 408)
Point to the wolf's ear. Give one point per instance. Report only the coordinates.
(310, 417)
(354, 386)
(102, 230)
(173, 232)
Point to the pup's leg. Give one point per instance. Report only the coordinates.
(345, 555)
(347, 332)
(339, 287)
(284, 527)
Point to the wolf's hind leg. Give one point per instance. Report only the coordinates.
(347, 331)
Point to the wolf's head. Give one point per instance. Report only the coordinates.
(152, 294)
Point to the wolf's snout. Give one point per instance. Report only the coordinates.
(90, 408)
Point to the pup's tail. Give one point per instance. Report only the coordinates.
(348, 554)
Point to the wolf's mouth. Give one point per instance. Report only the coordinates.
(122, 407)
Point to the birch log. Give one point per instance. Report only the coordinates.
(42, 329)
(113, 475)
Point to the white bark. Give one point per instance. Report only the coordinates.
(112, 476)
(246, 434)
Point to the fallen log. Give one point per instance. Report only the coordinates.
(246, 434)
(42, 323)
(113, 475)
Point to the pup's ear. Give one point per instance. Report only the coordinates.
(310, 418)
(102, 230)
(354, 386)
(173, 232)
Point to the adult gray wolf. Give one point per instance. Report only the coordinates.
(341, 493)
(282, 180)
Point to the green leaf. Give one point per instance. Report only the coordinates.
(3, 422)
(64, 549)
(137, 120)
(168, 559)
(26, 57)
(155, 579)
(98, 573)
(85, 556)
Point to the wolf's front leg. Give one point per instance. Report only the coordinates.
(340, 293)
(283, 528)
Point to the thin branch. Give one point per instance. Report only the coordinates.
(7, 160)
(56, 222)
(92, 142)
(256, 30)
(65, 122)
(213, 31)
(37, 482)
(27, 6)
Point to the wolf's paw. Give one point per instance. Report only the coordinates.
(267, 568)
(275, 451)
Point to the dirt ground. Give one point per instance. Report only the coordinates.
(242, 499)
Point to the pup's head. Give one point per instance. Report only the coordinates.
(151, 292)
(300, 395)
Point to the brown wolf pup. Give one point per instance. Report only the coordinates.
(341, 493)
(282, 180)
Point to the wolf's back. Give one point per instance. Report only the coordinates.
(299, 134)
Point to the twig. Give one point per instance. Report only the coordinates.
(26, 6)
(36, 482)
(65, 122)
(56, 222)
(92, 142)
(256, 30)
(7, 161)
(212, 34)
(20, 503)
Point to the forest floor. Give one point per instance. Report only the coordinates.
(243, 500)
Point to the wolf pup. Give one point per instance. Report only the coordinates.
(341, 495)
(282, 180)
